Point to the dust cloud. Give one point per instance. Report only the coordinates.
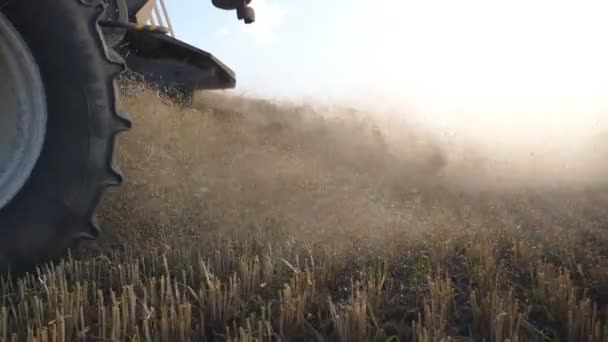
(234, 163)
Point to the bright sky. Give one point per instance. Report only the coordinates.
(494, 65)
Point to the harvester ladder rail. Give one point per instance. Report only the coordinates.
(155, 17)
(167, 18)
(161, 16)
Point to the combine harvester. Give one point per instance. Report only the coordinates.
(59, 63)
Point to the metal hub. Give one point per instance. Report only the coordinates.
(22, 112)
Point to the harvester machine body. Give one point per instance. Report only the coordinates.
(148, 44)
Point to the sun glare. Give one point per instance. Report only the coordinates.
(489, 63)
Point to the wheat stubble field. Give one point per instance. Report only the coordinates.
(243, 220)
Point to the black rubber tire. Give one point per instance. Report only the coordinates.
(56, 208)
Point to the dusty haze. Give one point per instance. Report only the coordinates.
(236, 163)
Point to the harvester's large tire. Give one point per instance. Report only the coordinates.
(56, 207)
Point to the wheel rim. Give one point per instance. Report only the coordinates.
(22, 112)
